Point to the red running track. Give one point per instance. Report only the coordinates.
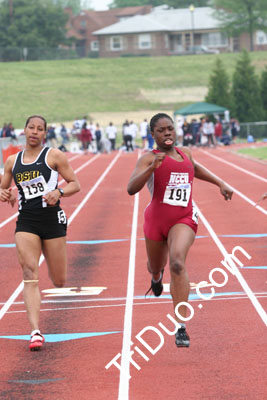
(106, 251)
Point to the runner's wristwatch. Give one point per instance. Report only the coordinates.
(61, 191)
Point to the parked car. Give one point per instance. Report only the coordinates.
(202, 49)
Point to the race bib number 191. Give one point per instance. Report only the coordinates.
(177, 195)
(34, 187)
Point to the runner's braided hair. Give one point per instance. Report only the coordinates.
(155, 119)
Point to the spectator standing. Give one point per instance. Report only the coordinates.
(92, 129)
(150, 138)
(143, 133)
(194, 128)
(111, 132)
(85, 137)
(64, 134)
(235, 128)
(98, 136)
(188, 136)
(128, 138)
(134, 131)
(218, 131)
(126, 123)
(179, 131)
(51, 137)
(3, 131)
(208, 130)
(10, 131)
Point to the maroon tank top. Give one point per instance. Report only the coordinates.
(171, 183)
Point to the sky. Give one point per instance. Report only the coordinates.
(100, 5)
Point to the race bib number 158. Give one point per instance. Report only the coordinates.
(34, 187)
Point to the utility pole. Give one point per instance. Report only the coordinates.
(192, 9)
(11, 11)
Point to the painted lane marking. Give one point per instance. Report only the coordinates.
(36, 381)
(102, 241)
(248, 200)
(59, 183)
(97, 241)
(61, 337)
(147, 303)
(236, 270)
(19, 289)
(127, 328)
(234, 166)
(249, 235)
(259, 267)
(74, 291)
(141, 297)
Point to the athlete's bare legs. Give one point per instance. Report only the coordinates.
(180, 239)
(29, 248)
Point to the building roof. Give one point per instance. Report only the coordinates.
(130, 11)
(165, 20)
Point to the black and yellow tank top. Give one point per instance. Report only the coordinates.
(34, 180)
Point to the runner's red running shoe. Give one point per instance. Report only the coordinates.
(36, 341)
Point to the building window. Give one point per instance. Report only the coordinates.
(214, 39)
(261, 37)
(116, 43)
(144, 41)
(95, 45)
(83, 23)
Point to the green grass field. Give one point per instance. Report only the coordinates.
(259, 153)
(65, 90)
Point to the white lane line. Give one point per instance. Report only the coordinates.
(241, 297)
(137, 300)
(19, 289)
(248, 200)
(237, 272)
(127, 329)
(234, 166)
(6, 221)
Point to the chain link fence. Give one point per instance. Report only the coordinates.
(257, 129)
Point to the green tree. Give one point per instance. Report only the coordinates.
(219, 86)
(154, 3)
(246, 91)
(263, 88)
(240, 16)
(32, 23)
(75, 5)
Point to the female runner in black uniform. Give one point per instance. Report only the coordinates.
(42, 224)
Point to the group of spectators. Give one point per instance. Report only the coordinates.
(130, 131)
(97, 139)
(205, 132)
(92, 137)
(7, 131)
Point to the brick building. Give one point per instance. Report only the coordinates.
(82, 26)
(171, 32)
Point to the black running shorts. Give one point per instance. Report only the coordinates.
(47, 223)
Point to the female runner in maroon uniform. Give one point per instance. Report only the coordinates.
(170, 219)
(41, 225)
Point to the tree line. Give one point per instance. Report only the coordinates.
(244, 95)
